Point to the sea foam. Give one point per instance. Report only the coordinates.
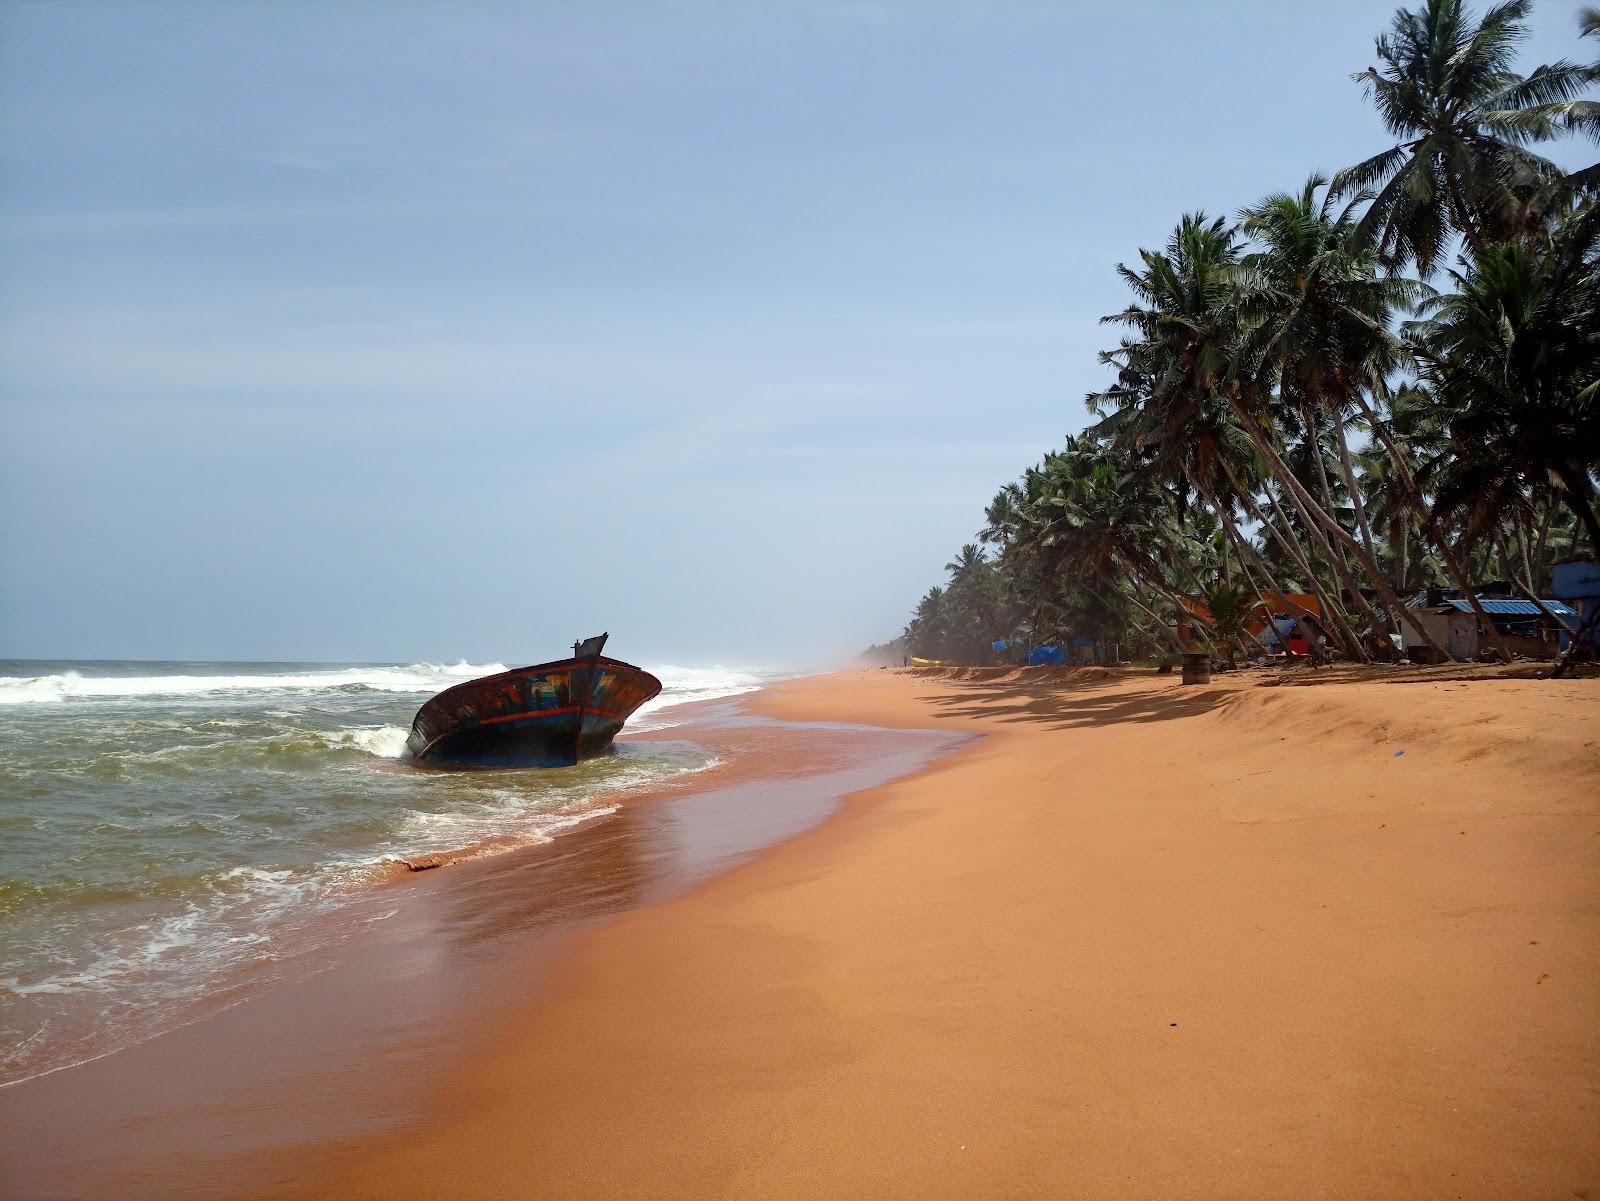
(72, 685)
(386, 742)
(267, 796)
(684, 685)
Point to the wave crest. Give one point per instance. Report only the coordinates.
(72, 685)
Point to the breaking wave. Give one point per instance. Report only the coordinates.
(386, 742)
(216, 812)
(72, 685)
(684, 685)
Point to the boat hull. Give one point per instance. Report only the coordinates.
(548, 715)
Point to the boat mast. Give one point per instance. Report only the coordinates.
(590, 649)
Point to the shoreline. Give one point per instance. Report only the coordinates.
(311, 929)
(1125, 939)
(179, 841)
(160, 1118)
(1138, 940)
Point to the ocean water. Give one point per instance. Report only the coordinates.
(166, 827)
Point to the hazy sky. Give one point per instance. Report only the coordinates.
(416, 331)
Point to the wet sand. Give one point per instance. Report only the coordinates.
(1137, 940)
(415, 976)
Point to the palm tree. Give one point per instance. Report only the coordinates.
(1090, 514)
(1318, 322)
(1322, 337)
(1408, 438)
(974, 600)
(1583, 116)
(1514, 357)
(1231, 607)
(925, 632)
(1193, 439)
(1186, 352)
(1464, 120)
(1249, 354)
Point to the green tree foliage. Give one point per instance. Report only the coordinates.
(1290, 412)
(1464, 121)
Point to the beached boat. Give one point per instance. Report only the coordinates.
(548, 715)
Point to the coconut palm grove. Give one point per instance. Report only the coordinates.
(1354, 389)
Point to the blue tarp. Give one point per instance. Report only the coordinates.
(1045, 656)
(1576, 581)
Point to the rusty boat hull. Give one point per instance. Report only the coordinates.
(547, 715)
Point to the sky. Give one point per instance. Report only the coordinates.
(435, 331)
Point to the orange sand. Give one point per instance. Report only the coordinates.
(1139, 941)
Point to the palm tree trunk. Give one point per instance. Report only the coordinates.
(1156, 580)
(1400, 535)
(1307, 504)
(1282, 528)
(1347, 470)
(1247, 554)
(1333, 614)
(1188, 572)
(1504, 554)
(1544, 534)
(1584, 638)
(1336, 556)
(1299, 496)
(1479, 560)
(1431, 526)
(1468, 592)
(1314, 445)
(1285, 538)
(1160, 621)
(1337, 563)
(1524, 537)
(1261, 593)
(1576, 486)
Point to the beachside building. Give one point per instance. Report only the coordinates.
(1578, 584)
(1449, 618)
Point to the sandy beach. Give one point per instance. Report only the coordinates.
(1137, 941)
(800, 602)
(1126, 939)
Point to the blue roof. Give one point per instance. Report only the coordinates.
(1510, 606)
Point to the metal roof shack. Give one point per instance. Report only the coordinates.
(1453, 625)
(1511, 606)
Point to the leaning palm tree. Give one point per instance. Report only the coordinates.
(1192, 439)
(1318, 321)
(1463, 120)
(1189, 322)
(1514, 358)
(1321, 336)
(1408, 440)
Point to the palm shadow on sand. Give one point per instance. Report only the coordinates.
(1069, 705)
